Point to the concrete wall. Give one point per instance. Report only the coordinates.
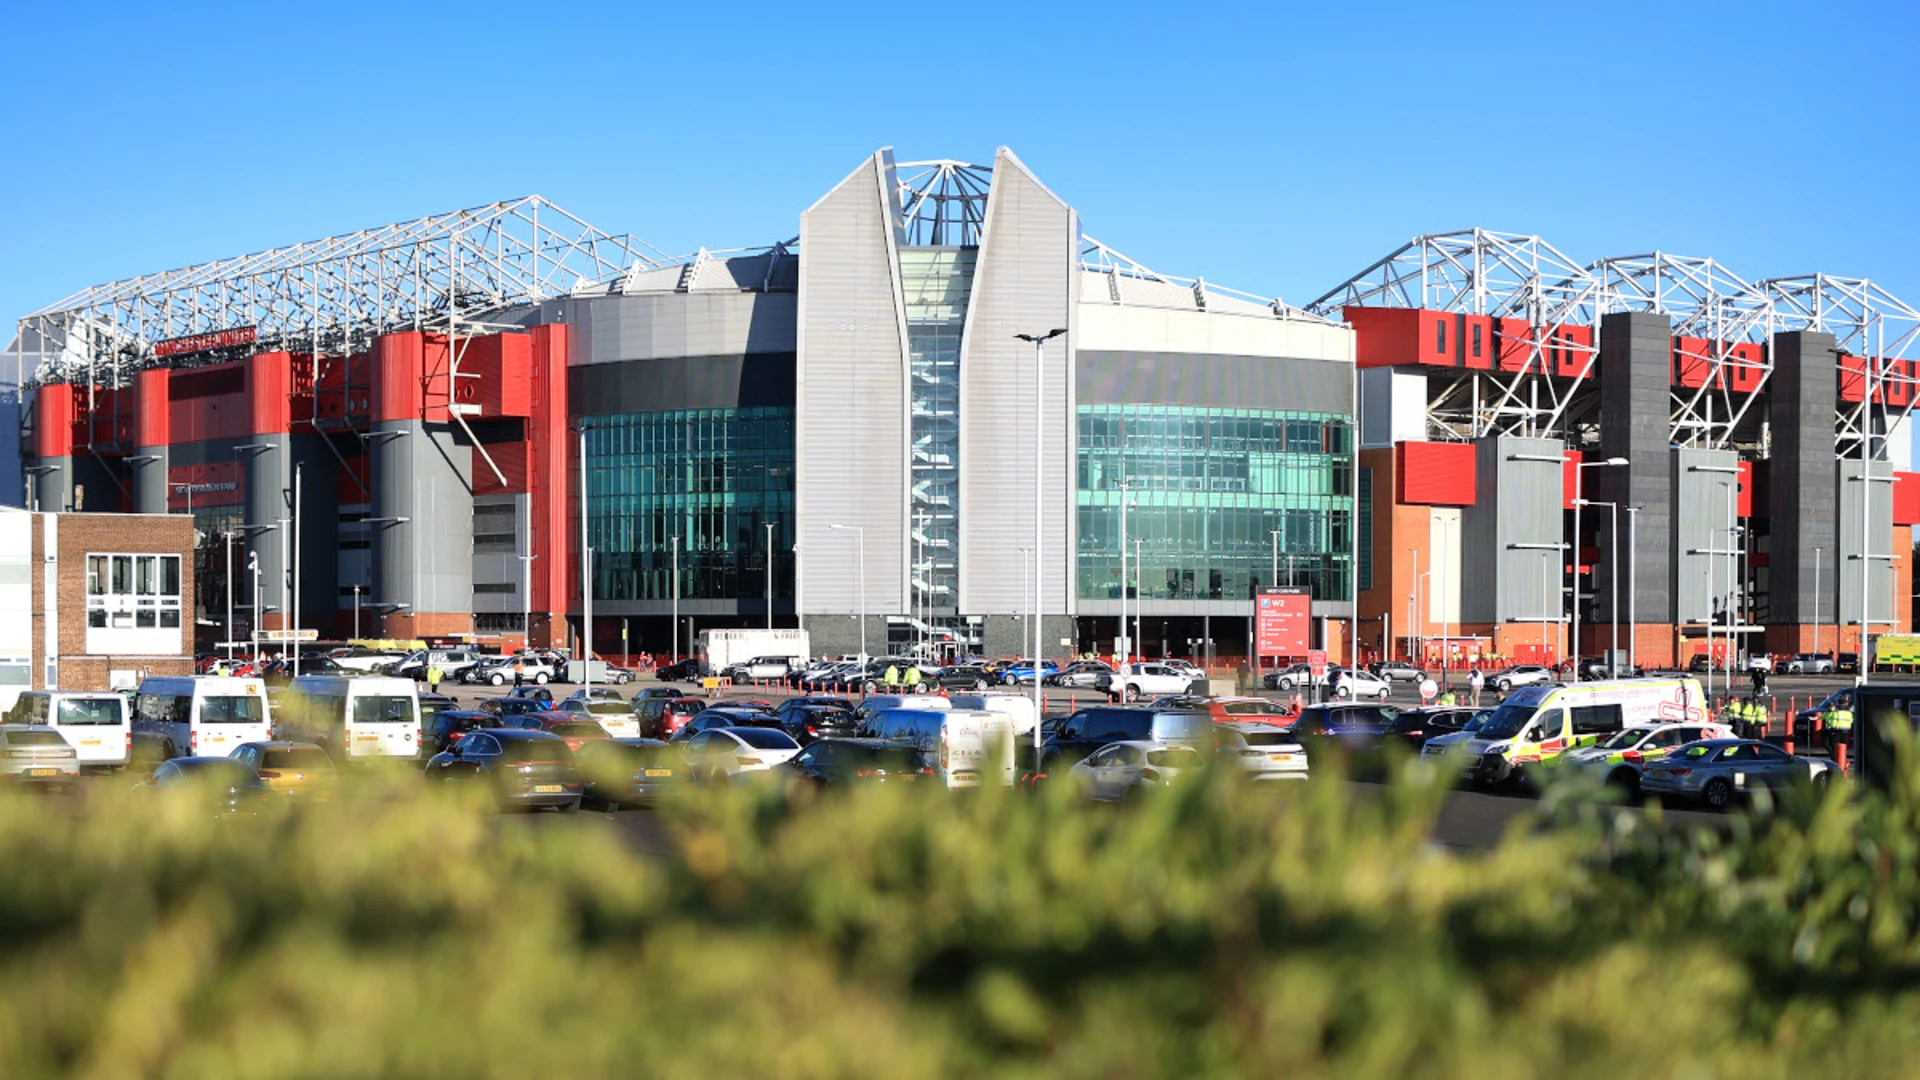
(1879, 533)
(1802, 480)
(421, 473)
(1634, 378)
(1104, 377)
(851, 409)
(1700, 579)
(1519, 503)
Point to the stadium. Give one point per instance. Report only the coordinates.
(858, 429)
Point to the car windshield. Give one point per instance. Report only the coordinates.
(232, 710)
(1266, 738)
(386, 709)
(1624, 739)
(35, 738)
(1182, 727)
(764, 738)
(92, 710)
(1506, 721)
(298, 757)
(534, 751)
(1176, 757)
(578, 728)
(608, 708)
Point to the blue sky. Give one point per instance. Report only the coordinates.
(1270, 147)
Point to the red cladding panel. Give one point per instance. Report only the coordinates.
(1746, 367)
(1852, 378)
(496, 375)
(269, 393)
(1570, 479)
(1896, 386)
(1692, 363)
(1906, 498)
(1434, 474)
(1476, 342)
(548, 477)
(1383, 337)
(511, 457)
(1516, 344)
(1743, 502)
(207, 403)
(396, 377)
(1570, 349)
(217, 483)
(152, 417)
(53, 416)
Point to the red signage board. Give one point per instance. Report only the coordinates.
(216, 483)
(216, 339)
(1317, 662)
(1282, 618)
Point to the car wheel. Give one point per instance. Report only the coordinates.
(1339, 691)
(570, 808)
(1626, 780)
(1383, 697)
(1820, 781)
(1503, 685)
(1132, 694)
(868, 688)
(1718, 793)
(1008, 680)
(498, 680)
(540, 679)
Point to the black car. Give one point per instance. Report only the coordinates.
(647, 692)
(526, 768)
(628, 772)
(835, 762)
(807, 719)
(230, 786)
(432, 705)
(1848, 662)
(531, 693)
(958, 677)
(1090, 729)
(449, 726)
(724, 716)
(679, 671)
(1416, 726)
(511, 706)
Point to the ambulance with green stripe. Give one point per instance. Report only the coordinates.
(1537, 724)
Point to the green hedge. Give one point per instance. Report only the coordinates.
(1211, 930)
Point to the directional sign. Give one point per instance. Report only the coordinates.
(1281, 620)
(1317, 661)
(290, 635)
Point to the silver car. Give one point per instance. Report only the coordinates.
(36, 754)
(1717, 770)
(1119, 769)
(1519, 675)
(1264, 751)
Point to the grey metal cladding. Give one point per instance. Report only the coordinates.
(266, 478)
(689, 382)
(1699, 528)
(150, 485)
(1505, 535)
(1879, 545)
(1634, 377)
(851, 402)
(1104, 377)
(651, 326)
(422, 474)
(1023, 283)
(1801, 478)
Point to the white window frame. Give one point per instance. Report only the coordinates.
(109, 607)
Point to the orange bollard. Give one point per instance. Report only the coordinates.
(1788, 747)
(1840, 757)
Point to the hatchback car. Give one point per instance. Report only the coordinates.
(1263, 751)
(450, 727)
(837, 762)
(1808, 664)
(1119, 770)
(231, 788)
(574, 729)
(1717, 771)
(1084, 675)
(723, 717)
(679, 671)
(1358, 685)
(1519, 675)
(294, 769)
(1621, 758)
(807, 719)
(723, 753)
(1417, 726)
(661, 717)
(628, 772)
(37, 754)
(524, 768)
(1397, 671)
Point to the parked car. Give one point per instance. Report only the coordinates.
(830, 763)
(1263, 751)
(627, 772)
(1847, 662)
(679, 671)
(232, 788)
(807, 719)
(1808, 664)
(1083, 675)
(1356, 732)
(1022, 671)
(958, 677)
(523, 768)
(574, 729)
(1620, 758)
(432, 705)
(1132, 682)
(298, 770)
(615, 717)
(726, 752)
(451, 663)
(1397, 671)
(452, 725)
(1090, 729)
(1416, 726)
(1122, 769)
(1716, 771)
(760, 668)
(1296, 677)
(498, 671)
(532, 693)
(1518, 675)
(661, 717)
(723, 716)
(1760, 662)
(37, 754)
(647, 692)
(1228, 710)
(511, 706)
(1355, 684)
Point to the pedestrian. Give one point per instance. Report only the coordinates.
(1476, 682)
(1837, 725)
(912, 677)
(891, 678)
(1447, 698)
(519, 672)
(434, 675)
(1428, 689)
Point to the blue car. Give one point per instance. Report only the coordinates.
(1022, 672)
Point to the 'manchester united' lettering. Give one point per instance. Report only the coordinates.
(216, 339)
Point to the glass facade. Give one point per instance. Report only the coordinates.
(1210, 487)
(935, 283)
(713, 477)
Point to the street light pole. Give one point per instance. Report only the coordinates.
(860, 534)
(1135, 639)
(1273, 573)
(1816, 608)
(1126, 653)
(1039, 520)
(227, 536)
(1613, 581)
(676, 601)
(1633, 589)
(1579, 486)
(769, 528)
(356, 611)
(586, 575)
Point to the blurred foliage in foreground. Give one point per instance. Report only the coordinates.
(1307, 931)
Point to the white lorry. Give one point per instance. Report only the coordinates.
(722, 649)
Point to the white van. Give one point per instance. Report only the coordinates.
(93, 722)
(202, 715)
(965, 743)
(1538, 723)
(1017, 708)
(880, 703)
(354, 716)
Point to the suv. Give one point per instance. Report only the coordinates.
(662, 716)
(1808, 664)
(498, 670)
(1135, 681)
(1519, 675)
(1090, 729)
(760, 667)
(450, 661)
(1397, 671)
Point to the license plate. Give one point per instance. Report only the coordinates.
(1284, 758)
(43, 772)
(547, 789)
(659, 772)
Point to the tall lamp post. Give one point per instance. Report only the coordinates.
(227, 536)
(1135, 639)
(1579, 486)
(860, 533)
(1816, 609)
(769, 528)
(1039, 502)
(676, 601)
(1126, 642)
(1633, 590)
